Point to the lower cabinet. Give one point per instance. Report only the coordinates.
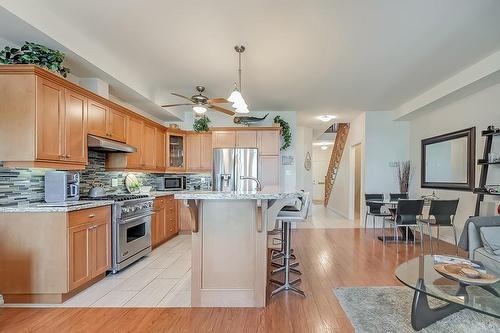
(164, 222)
(89, 242)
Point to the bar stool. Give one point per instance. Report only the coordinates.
(286, 218)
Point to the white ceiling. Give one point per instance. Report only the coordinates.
(337, 57)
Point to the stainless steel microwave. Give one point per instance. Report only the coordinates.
(171, 183)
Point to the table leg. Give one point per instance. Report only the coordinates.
(421, 313)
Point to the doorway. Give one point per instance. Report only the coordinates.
(320, 161)
(357, 181)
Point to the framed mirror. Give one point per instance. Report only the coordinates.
(448, 161)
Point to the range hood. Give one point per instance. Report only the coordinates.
(106, 145)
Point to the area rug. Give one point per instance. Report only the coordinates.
(387, 309)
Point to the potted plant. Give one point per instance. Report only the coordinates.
(286, 133)
(36, 54)
(201, 124)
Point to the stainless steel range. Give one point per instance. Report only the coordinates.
(131, 228)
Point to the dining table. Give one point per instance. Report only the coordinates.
(392, 204)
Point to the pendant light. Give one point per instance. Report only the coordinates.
(236, 98)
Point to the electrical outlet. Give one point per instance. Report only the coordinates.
(114, 182)
(202, 180)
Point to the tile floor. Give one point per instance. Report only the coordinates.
(161, 279)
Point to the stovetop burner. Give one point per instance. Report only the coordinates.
(118, 197)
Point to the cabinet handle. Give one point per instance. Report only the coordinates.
(91, 216)
(68, 156)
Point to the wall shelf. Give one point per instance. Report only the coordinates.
(485, 162)
(481, 190)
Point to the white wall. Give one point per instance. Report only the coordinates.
(304, 145)
(320, 161)
(386, 141)
(341, 198)
(480, 109)
(288, 173)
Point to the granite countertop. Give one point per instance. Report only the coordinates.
(214, 195)
(41, 208)
(156, 194)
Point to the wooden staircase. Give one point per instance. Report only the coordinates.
(338, 149)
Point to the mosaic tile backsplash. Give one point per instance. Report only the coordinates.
(25, 186)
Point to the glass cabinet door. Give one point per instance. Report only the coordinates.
(176, 150)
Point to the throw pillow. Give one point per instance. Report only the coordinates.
(490, 236)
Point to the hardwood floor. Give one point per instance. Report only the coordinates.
(329, 258)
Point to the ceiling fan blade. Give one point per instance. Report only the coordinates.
(170, 105)
(217, 101)
(218, 108)
(178, 95)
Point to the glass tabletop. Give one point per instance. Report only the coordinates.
(419, 274)
(383, 202)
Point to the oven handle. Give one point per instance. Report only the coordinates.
(126, 221)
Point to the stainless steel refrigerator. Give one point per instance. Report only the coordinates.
(230, 164)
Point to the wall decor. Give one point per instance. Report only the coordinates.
(448, 160)
(287, 160)
(404, 176)
(246, 120)
(36, 54)
(307, 162)
(286, 133)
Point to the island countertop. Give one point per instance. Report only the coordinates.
(234, 195)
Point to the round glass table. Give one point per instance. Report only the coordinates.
(420, 275)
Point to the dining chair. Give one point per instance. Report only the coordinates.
(441, 214)
(407, 215)
(397, 196)
(373, 209)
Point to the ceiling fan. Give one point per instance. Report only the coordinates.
(200, 102)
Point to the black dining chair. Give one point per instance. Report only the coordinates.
(407, 215)
(441, 214)
(397, 196)
(373, 209)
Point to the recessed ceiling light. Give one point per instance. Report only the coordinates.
(199, 109)
(324, 147)
(326, 117)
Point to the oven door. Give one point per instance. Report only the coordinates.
(134, 235)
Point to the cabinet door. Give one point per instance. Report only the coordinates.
(206, 151)
(49, 120)
(193, 151)
(160, 138)
(148, 147)
(184, 216)
(269, 171)
(246, 139)
(97, 119)
(224, 139)
(80, 255)
(134, 139)
(117, 125)
(75, 129)
(101, 239)
(175, 151)
(268, 142)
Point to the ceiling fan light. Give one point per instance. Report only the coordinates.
(235, 96)
(242, 109)
(199, 109)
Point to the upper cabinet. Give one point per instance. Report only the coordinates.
(148, 147)
(246, 139)
(106, 122)
(134, 139)
(268, 142)
(198, 151)
(223, 139)
(175, 151)
(75, 125)
(160, 138)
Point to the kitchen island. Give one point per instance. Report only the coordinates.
(229, 245)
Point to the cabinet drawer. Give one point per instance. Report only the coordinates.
(159, 203)
(88, 215)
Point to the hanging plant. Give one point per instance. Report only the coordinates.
(286, 134)
(201, 124)
(36, 54)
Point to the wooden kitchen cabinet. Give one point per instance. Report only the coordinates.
(269, 172)
(89, 245)
(164, 220)
(184, 217)
(268, 142)
(148, 146)
(97, 119)
(134, 139)
(49, 120)
(160, 141)
(175, 150)
(246, 139)
(117, 125)
(199, 151)
(223, 139)
(75, 127)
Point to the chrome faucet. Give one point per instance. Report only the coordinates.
(259, 184)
